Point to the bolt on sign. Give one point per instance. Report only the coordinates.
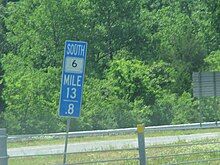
(72, 78)
(206, 84)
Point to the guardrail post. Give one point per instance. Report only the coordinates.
(141, 144)
(3, 147)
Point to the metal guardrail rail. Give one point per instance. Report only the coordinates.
(143, 158)
(115, 131)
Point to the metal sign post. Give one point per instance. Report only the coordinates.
(3, 147)
(72, 83)
(66, 140)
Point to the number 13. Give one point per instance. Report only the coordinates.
(71, 93)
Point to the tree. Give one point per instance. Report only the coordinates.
(133, 79)
(185, 110)
(31, 96)
(140, 84)
(40, 30)
(141, 55)
(37, 31)
(3, 49)
(102, 109)
(180, 33)
(214, 9)
(213, 61)
(113, 25)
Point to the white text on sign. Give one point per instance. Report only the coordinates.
(75, 49)
(72, 80)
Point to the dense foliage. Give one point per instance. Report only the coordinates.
(141, 55)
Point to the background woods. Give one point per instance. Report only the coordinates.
(141, 55)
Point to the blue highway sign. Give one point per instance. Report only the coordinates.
(72, 78)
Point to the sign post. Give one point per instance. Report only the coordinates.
(72, 83)
(66, 141)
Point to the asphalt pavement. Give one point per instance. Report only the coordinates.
(104, 145)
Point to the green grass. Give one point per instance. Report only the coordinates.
(73, 158)
(110, 137)
(181, 150)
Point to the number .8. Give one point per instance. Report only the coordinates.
(70, 109)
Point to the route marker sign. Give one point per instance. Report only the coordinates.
(72, 78)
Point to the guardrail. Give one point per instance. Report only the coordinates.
(147, 154)
(115, 131)
(143, 156)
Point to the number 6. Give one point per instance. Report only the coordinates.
(74, 64)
